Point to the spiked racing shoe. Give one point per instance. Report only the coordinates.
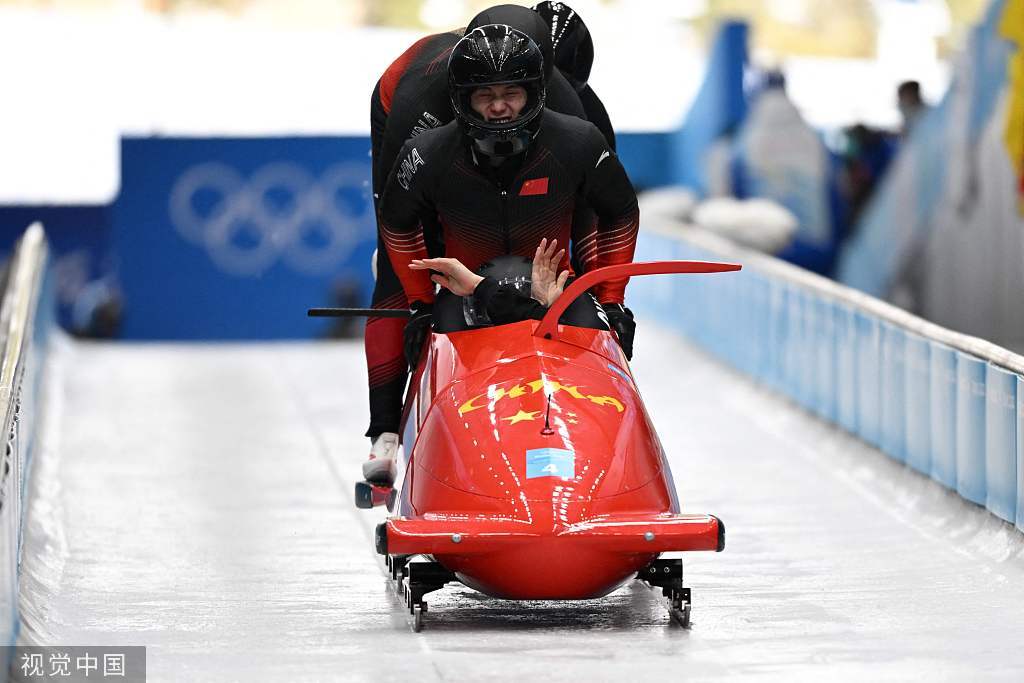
(380, 468)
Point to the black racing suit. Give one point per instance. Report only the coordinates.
(596, 113)
(484, 212)
(411, 97)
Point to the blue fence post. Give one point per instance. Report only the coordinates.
(1001, 442)
(917, 367)
(942, 404)
(775, 355)
(760, 297)
(1020, 453)
(868, 385)
(803, 385)
(893, 389)
(970, 428)
(824, 380)
(846, 367)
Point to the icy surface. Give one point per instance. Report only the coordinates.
(198, 500)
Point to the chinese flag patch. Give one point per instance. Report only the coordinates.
(534, 186)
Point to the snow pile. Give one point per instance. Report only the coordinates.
(672, 203)
(757, 223)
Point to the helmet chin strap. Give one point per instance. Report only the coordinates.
(497, 149)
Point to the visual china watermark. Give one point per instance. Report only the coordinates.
(78, 663)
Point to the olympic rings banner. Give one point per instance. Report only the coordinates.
(233, 238)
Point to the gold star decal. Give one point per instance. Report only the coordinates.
(521, 416)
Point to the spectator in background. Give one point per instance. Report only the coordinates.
(782, 158)
(911, 105)
(863, 161)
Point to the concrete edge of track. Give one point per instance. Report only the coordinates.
(945, 404)
(26, 317)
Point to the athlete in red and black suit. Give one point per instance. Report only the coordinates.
(574, 57)
(485, 212)
(507, 173)
(411, 97)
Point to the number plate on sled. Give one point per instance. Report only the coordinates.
(550, 462)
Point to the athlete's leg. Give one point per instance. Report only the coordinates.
(385, 362)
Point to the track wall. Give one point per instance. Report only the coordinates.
(943, 403)
(26, 318)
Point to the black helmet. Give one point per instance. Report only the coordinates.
(521, 19)
(573, 46)
(508, 270)
(497, 54)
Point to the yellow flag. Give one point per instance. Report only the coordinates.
(1011, 27)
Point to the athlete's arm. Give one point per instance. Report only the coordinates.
(597, 114)
(404, 203)
(607, 189)
(503, 303)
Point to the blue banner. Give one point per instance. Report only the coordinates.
(83, 265)
(1001, 442)
(970, 428)
(235, 238)
(717, 110)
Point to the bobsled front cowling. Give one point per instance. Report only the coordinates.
(491, 432)
(531, 468)
(540, 458)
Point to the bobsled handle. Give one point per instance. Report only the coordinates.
(548, 327)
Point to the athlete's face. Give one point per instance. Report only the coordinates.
(498, 103)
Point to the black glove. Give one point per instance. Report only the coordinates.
(620, 319)
(416, 331)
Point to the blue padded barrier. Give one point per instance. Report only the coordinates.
(1020, 453)
(917, 414)
(1001, 442)
(775, 358)
(868, 368)
(825, 359)
(846, 367)
(893, 391)
(942, 403)
(804, 357)
(970, 428)
(761, 301)
(947, 405)
(793, 365)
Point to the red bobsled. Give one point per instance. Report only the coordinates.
(531, 469)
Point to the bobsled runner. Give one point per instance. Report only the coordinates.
(530, 468)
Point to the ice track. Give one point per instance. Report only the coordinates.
(198, 500)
